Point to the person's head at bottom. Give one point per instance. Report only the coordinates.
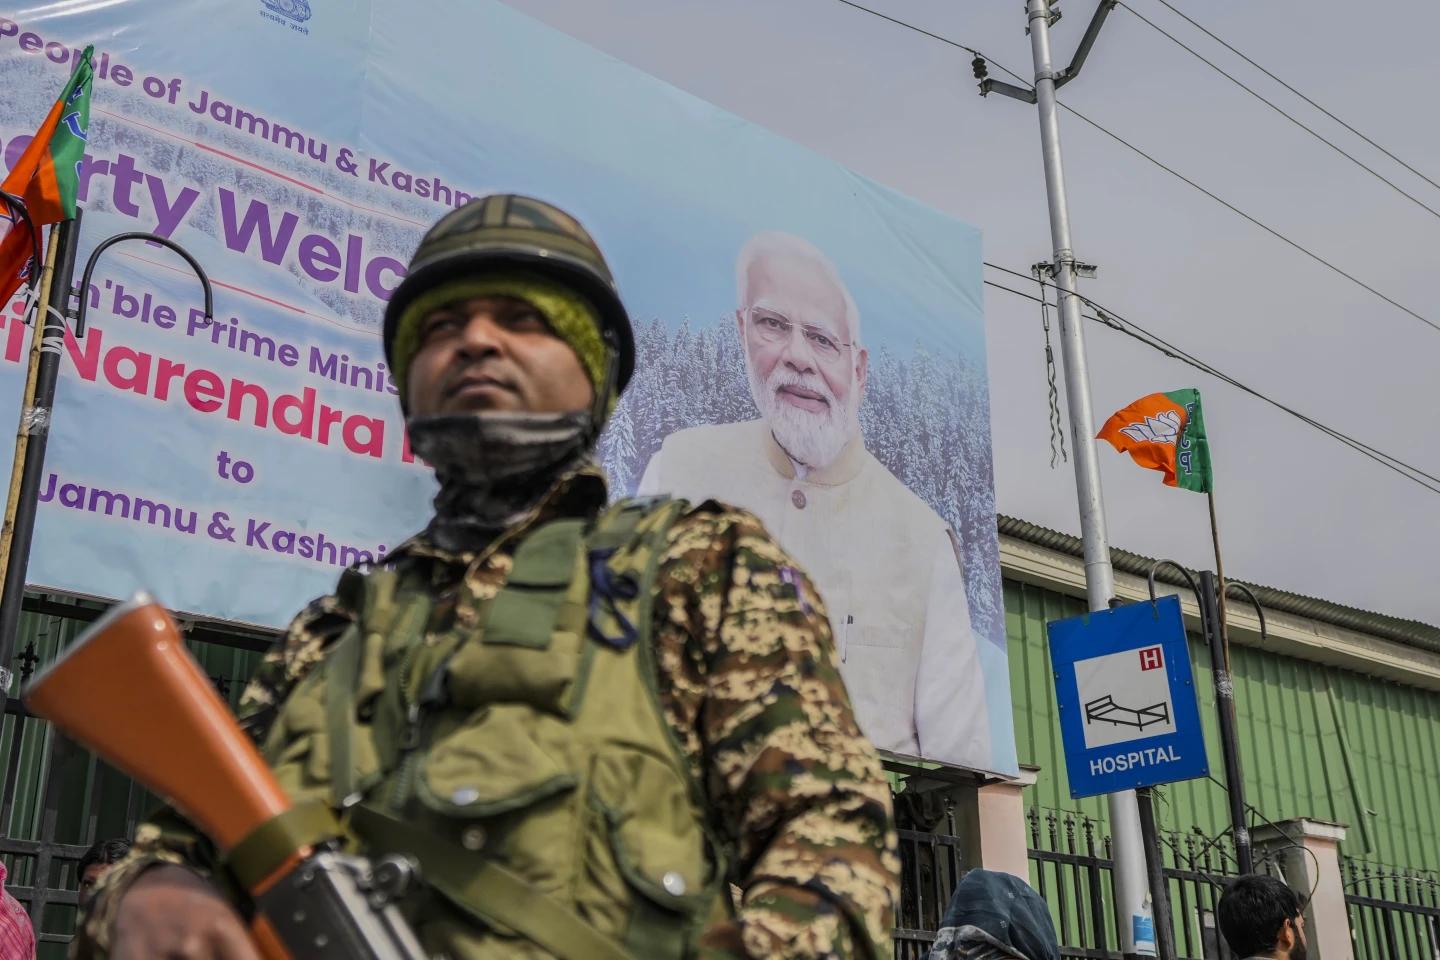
(96, 863)
(1260, 916)
(995, 916)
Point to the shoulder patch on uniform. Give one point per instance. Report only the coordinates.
(793, 578)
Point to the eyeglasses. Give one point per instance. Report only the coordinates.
(775, 327)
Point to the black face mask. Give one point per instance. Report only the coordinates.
(495, 467)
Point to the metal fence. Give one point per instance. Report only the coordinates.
(1070, 867)
(58, 798)
(1394, 914)
(38, 875)
(931, 864)
(64, 821)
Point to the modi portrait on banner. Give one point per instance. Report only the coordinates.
(888, 568)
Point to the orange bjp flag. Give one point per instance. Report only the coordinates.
(1165, 432)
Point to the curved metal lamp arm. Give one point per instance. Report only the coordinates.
(1194, 587)
(1259, 610)
(17, 204)
(109, 242)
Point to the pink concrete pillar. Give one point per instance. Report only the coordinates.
(1003, 834)
(1308, 852)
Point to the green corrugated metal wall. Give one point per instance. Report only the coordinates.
(1316, 741)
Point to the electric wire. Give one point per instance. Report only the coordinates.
(1168, 169)
(1198, 26)
(1290, 842)
(1280, 110)
(1114, 321)
(917, 29)
(1263, 226)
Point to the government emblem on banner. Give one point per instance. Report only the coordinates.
(297, 10)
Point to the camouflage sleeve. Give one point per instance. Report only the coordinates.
(167, 837)
(288, 662)
(793, 784)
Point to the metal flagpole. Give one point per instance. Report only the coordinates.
(1132, 898)
(1218, 636)
(1225, 708)
(1220, 576)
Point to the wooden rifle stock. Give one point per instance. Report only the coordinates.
(130, 691)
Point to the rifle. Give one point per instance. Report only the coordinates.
(130, 691)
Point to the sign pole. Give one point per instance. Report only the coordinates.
(50, 331)
(1155, 869)
(1225, 706)
(1132, 902)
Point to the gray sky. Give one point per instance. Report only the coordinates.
(1298, 510)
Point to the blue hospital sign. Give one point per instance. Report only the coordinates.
(1126, 697)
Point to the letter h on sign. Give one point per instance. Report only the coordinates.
(1152, 658)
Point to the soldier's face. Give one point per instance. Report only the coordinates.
(494, 354)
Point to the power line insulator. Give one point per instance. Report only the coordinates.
(978, 65)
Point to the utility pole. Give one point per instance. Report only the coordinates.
(1132, 899)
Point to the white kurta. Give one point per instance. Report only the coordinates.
(886, 566)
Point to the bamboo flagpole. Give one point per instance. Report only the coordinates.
(27, 405)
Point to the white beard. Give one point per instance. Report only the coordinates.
(813, 439)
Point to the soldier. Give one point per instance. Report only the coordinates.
(617, 711)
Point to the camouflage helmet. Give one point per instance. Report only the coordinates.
(512, 230)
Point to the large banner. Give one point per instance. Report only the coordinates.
(811, 344)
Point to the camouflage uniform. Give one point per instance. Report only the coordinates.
(750, 685)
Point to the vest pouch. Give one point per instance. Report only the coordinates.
(645, 836)
(499, 787)
(297, 747)
(299, 750)
(532, 647)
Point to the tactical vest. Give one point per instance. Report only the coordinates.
(517, 748)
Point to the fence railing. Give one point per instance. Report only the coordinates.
(1071, 867)
(931, 865)
(1394, 914)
